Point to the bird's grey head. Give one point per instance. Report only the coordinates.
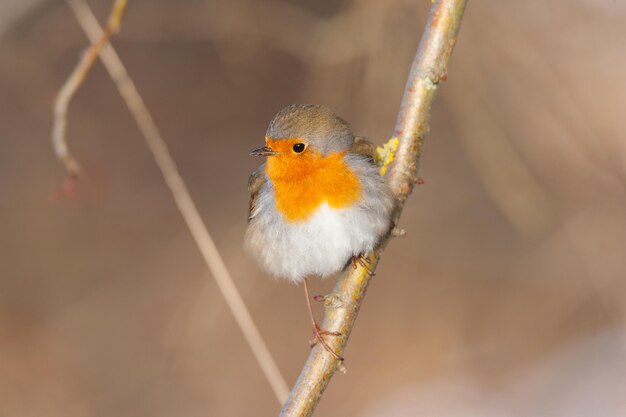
(316, 125)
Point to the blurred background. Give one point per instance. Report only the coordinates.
(506, 298)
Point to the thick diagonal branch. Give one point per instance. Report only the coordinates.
(428, 70)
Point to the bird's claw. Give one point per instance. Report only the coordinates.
(363, 261)
(318, 336)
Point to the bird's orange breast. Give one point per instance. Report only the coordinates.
(304, 181)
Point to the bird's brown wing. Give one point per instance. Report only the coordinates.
(255, 182)
(364, 147)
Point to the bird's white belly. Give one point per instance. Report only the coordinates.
(320, 245)
(323, 243)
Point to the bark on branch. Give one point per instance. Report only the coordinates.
(342, 306)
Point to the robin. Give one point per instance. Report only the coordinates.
(318, 203)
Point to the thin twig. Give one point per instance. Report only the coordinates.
(73, 82)
(428, 70)
(183, 200)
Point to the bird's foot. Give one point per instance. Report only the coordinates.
(318, 337)
(362, 260)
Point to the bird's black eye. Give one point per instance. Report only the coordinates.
(298, 147)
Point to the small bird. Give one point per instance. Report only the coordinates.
(318, 203)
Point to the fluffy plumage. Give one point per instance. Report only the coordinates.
(311, 212)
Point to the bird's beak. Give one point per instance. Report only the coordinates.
(264, 151)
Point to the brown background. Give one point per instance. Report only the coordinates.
(505, 299)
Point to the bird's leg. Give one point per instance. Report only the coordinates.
(318, 333)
